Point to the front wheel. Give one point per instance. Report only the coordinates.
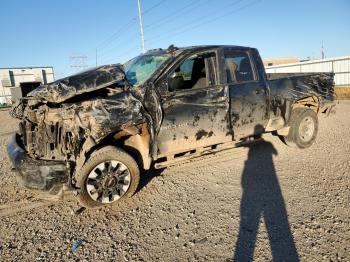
(109, 175)
(303, 128)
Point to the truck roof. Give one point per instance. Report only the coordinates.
(175, 49)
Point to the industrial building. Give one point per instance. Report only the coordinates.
(339, 65)
(19, 81)
(280, 61)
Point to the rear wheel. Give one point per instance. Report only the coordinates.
(303, 128)
(108, 176)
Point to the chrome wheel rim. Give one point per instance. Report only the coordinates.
(108, 181)
(306, 129)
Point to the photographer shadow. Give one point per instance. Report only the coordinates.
(262, 197)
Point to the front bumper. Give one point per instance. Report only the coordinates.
(45, 175)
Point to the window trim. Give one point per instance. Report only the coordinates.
(252, 65)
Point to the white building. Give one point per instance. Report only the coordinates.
(19, 81)
(339, 65)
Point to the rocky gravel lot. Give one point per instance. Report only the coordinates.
(285, 202)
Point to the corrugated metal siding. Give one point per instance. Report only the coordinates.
(342, 79)
(339, 65)
(318, 67)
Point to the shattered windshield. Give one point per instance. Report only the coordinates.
(140, 68)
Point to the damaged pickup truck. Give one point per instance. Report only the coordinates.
(92, 133)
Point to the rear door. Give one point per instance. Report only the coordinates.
(195, 106)
(248, 93)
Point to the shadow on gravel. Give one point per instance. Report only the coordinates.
(262, 197)
(147, 176)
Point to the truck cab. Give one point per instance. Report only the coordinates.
(225, 85)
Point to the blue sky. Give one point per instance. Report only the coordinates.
(47, 33)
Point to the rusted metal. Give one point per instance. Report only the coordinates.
(141, 143)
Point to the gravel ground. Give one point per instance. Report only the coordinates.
(285, 202)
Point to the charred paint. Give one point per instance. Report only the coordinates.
(200, 134)
(196, 118)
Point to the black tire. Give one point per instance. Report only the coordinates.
(107, 178)
(303, 128)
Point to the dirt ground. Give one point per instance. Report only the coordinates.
(266, 201)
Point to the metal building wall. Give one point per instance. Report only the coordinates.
(11, 79)
(339, 65)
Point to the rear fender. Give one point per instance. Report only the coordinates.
(311, 102)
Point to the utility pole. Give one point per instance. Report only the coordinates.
(80, 62)
(141, 27)
(322, 51)
(96, 56)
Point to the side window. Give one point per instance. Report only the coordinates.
(186, 69)
(238, 67)
(192, 73)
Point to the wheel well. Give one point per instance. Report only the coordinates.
(134, 140)
(311, 102)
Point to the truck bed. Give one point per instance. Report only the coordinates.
(294, 85)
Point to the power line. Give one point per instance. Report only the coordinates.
(140, 13)
(205, 16)
(182, 31)
(205, 22)
(173, 14)
(125, 27)
(153, 7)
(118, 33)
(125, 53)
(117, 48)
(197, 25)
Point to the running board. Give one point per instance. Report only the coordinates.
(177, 158)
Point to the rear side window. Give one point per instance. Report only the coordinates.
(238, 67)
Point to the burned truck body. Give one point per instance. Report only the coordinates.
(93, 132)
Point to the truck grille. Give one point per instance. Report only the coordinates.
(44, 141)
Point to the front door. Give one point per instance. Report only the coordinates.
(195, 107)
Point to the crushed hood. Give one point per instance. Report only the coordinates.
(87, 81)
